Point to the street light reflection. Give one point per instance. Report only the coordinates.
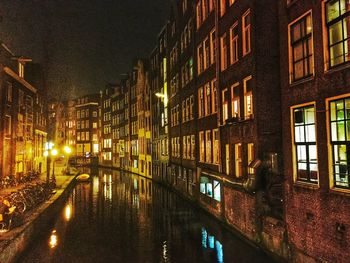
(53, 239)
(68, 212)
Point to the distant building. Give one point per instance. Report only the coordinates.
(87, 128)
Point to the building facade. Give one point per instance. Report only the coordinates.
(315, 84)
(23, 117)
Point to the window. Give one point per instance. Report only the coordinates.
(210, 188)
(208, 146)
(222, 7)
(199, 13)
(305, 144)
(7, 126)
(206, 47)
(338, 28)
(235, 100)
(238, 160)
(193, 145)
(248, 98)
(184, 147)
(231, 2)
(9, 92)
(188, 149)
(234, 43)
(223, 52)
(251, 156)
(216, 147)
(224, 106)
(340, 141)
(200, 59)
(212, 47)
(227, 158)
(214, 103)
(200, 102)
(201, 146)
(21, 69)
(301, 54)
(207, 99)
(246, 32)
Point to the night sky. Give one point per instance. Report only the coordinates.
(84, 44)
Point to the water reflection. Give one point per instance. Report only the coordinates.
(119, 217)
(53, 239)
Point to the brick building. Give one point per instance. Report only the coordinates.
(23, 116)
(87, 112)
(182, 94)
(315, 84)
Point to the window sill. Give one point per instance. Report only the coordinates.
(302, 81)
(306, 185)
(337, 68)
(340, 191)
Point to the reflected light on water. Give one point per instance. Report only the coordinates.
(53, 239)
(68, 212)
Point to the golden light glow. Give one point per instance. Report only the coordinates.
(67, 149)
(68, 212)
(46, 153)
(53, 239)
(54, 152)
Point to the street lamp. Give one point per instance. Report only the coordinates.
(54, 152)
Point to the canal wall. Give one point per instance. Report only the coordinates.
(16, 241)
(239, 213)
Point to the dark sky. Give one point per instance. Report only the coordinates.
(84, 43)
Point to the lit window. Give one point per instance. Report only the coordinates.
(340, 141)
(235, 100)
(223, 52)
(184, 147)
(248, 98)
(246, 32)
(338, 27)
(208, 146)
(227, 158)
(222, 7)
(200, 102)
(231, 2)
(214, 103)
(224, 106)
(251, 156)
(212, 47)
(305, 144)
(201, 146)
(238, 160)
(207, 99)
(193, 145)
(234, 43)
(21, 69)
(301, 51)
(216, 147)
(199, 13)
(188, 149)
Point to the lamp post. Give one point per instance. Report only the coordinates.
(68, 151)
(54, 152)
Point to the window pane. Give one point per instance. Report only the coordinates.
(312, 153)
(332, 10)
(310, 133)
(336, 54)
(299, 134)
(210, 189)
(301, 150)
(335, 33)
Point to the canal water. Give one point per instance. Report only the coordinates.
(120, 217)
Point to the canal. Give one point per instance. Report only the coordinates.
(120, 217)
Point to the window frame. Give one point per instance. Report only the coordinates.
(305, 143)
